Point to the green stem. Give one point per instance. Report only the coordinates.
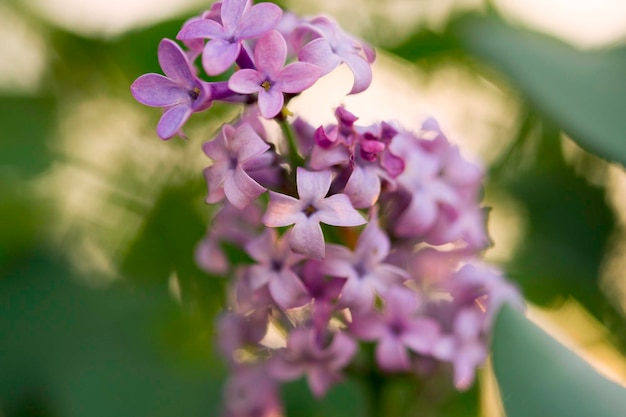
(295, 160)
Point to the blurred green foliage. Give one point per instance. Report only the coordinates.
(129, 349)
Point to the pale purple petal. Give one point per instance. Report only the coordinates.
(231, 13)
(320, 379)
(258, 276)
(465, 364)
(325, 158)
(337, 210)
(319, 52)
(210, 257)
(215, 176)
(343, 349)
(246, 81)
(270, 53)
(270, 102)
(219, 55)
(307, 238)
(158, 91)
(368, 327)
(216, 149)
(373, 243)
(358, 295)
(421, 335)
(363, 187)
(418, 218)
(259, 19)
(246, 143)
(174, 63)
(284, 370)
(400, 302)
(282, 210)
(201, 29)
(391, 355)
(287, 290)
(361, 70)
(173, 120)
(260, 248)
(297, 77)
(312, 185)
(240, 189)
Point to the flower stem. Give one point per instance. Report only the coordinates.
(295, 160)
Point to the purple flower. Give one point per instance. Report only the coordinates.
(397, 329)
(230, 152)
(180, 92)
(239, 21)
(307, 212)
(364, 269)
(464, 347)
(333, 47)
(270, 80)
(252, 392)
(274, 269)
(321, 363)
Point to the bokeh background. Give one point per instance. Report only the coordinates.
(102, 310)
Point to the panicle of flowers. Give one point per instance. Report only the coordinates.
(330, 236)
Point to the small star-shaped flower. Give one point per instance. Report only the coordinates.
(307, 212)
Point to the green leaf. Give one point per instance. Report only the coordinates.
(69, 351)
(584, 92)
(28, 124)
(539, 377)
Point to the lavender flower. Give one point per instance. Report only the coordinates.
(270, 79)
(231, 151)
(309, 210)
(180, 92)
(239, 21)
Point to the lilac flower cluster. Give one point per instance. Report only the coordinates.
(258, 40)
(353, 233)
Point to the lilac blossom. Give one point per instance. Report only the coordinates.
(274, 268)
(397, 329)
(332, 47)
(270, 79)
(364, 270)
(179, 92)
(464, 347)
(320, 362)
(309, 210)
(323, 290)
(239, 21)
(231, 152)
(252, 392)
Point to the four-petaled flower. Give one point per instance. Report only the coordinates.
(397, 329)
(231, 152)
(180, 92)
(321, 363)
(270, 79)
(239, 22)
(307, 212)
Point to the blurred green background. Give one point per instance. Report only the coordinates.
(102, 310)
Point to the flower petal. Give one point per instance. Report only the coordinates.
(173, 120)
(282, 210)
(361, 70)
(219, 55)
(240, 189)
(312, 185)
(246, 81)
(260, 19)
(270, 102)
(260, 248)
(287, 290)
(307, 238)
(155, 90)
(319, 53)
(297, 77)
(363, 187)
(270, 53)
(174, 63)
(246, 143)
(231, 13)
(391, 355)
(201, 29)
(337, 210)
(421, 335)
